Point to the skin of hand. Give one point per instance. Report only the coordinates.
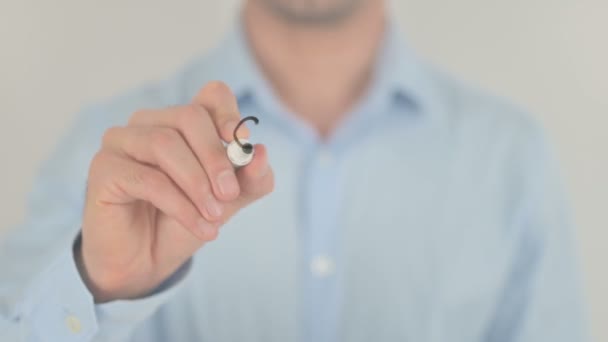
(160, 188)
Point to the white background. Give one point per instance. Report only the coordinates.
(551, 56)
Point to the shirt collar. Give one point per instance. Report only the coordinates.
(398, 69)
(399, 76)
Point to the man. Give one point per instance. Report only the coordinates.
(406, 206)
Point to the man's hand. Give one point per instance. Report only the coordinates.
(159, 189)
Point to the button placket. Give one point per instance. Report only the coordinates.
(321, 309)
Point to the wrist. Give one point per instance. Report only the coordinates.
(100, 293)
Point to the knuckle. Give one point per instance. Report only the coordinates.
(137, 116)
(187, 214)
(217, 91)
(189, 116)
(102, 169)
(217, 163)
(110, 134)
(163, 139)
(217, 87)
(147, 178)
(200, 181)
(98, 158)
(199, 185)
(215, 158)
(102, 158)
(97, 163)
(212, 234)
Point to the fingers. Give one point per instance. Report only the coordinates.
(257, 178)
(184, 145)
(257, 181)
(120, 181)
(217, 98)
(196, 126)
(166, 149)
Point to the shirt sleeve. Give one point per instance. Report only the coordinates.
(117, 319)
(59, 307)
(42, 296)
(541, 300)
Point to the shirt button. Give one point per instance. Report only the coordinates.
(73, 324)
(322, 266)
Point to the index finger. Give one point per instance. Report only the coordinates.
(217, 98)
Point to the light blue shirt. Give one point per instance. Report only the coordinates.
(432, 214)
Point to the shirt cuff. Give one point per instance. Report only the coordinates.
(131, 312)
(59, 306)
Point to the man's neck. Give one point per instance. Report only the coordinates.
(318, 72)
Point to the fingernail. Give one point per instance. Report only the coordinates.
(214, 208)
(227, 183)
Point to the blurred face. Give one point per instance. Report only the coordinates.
(313, 11)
